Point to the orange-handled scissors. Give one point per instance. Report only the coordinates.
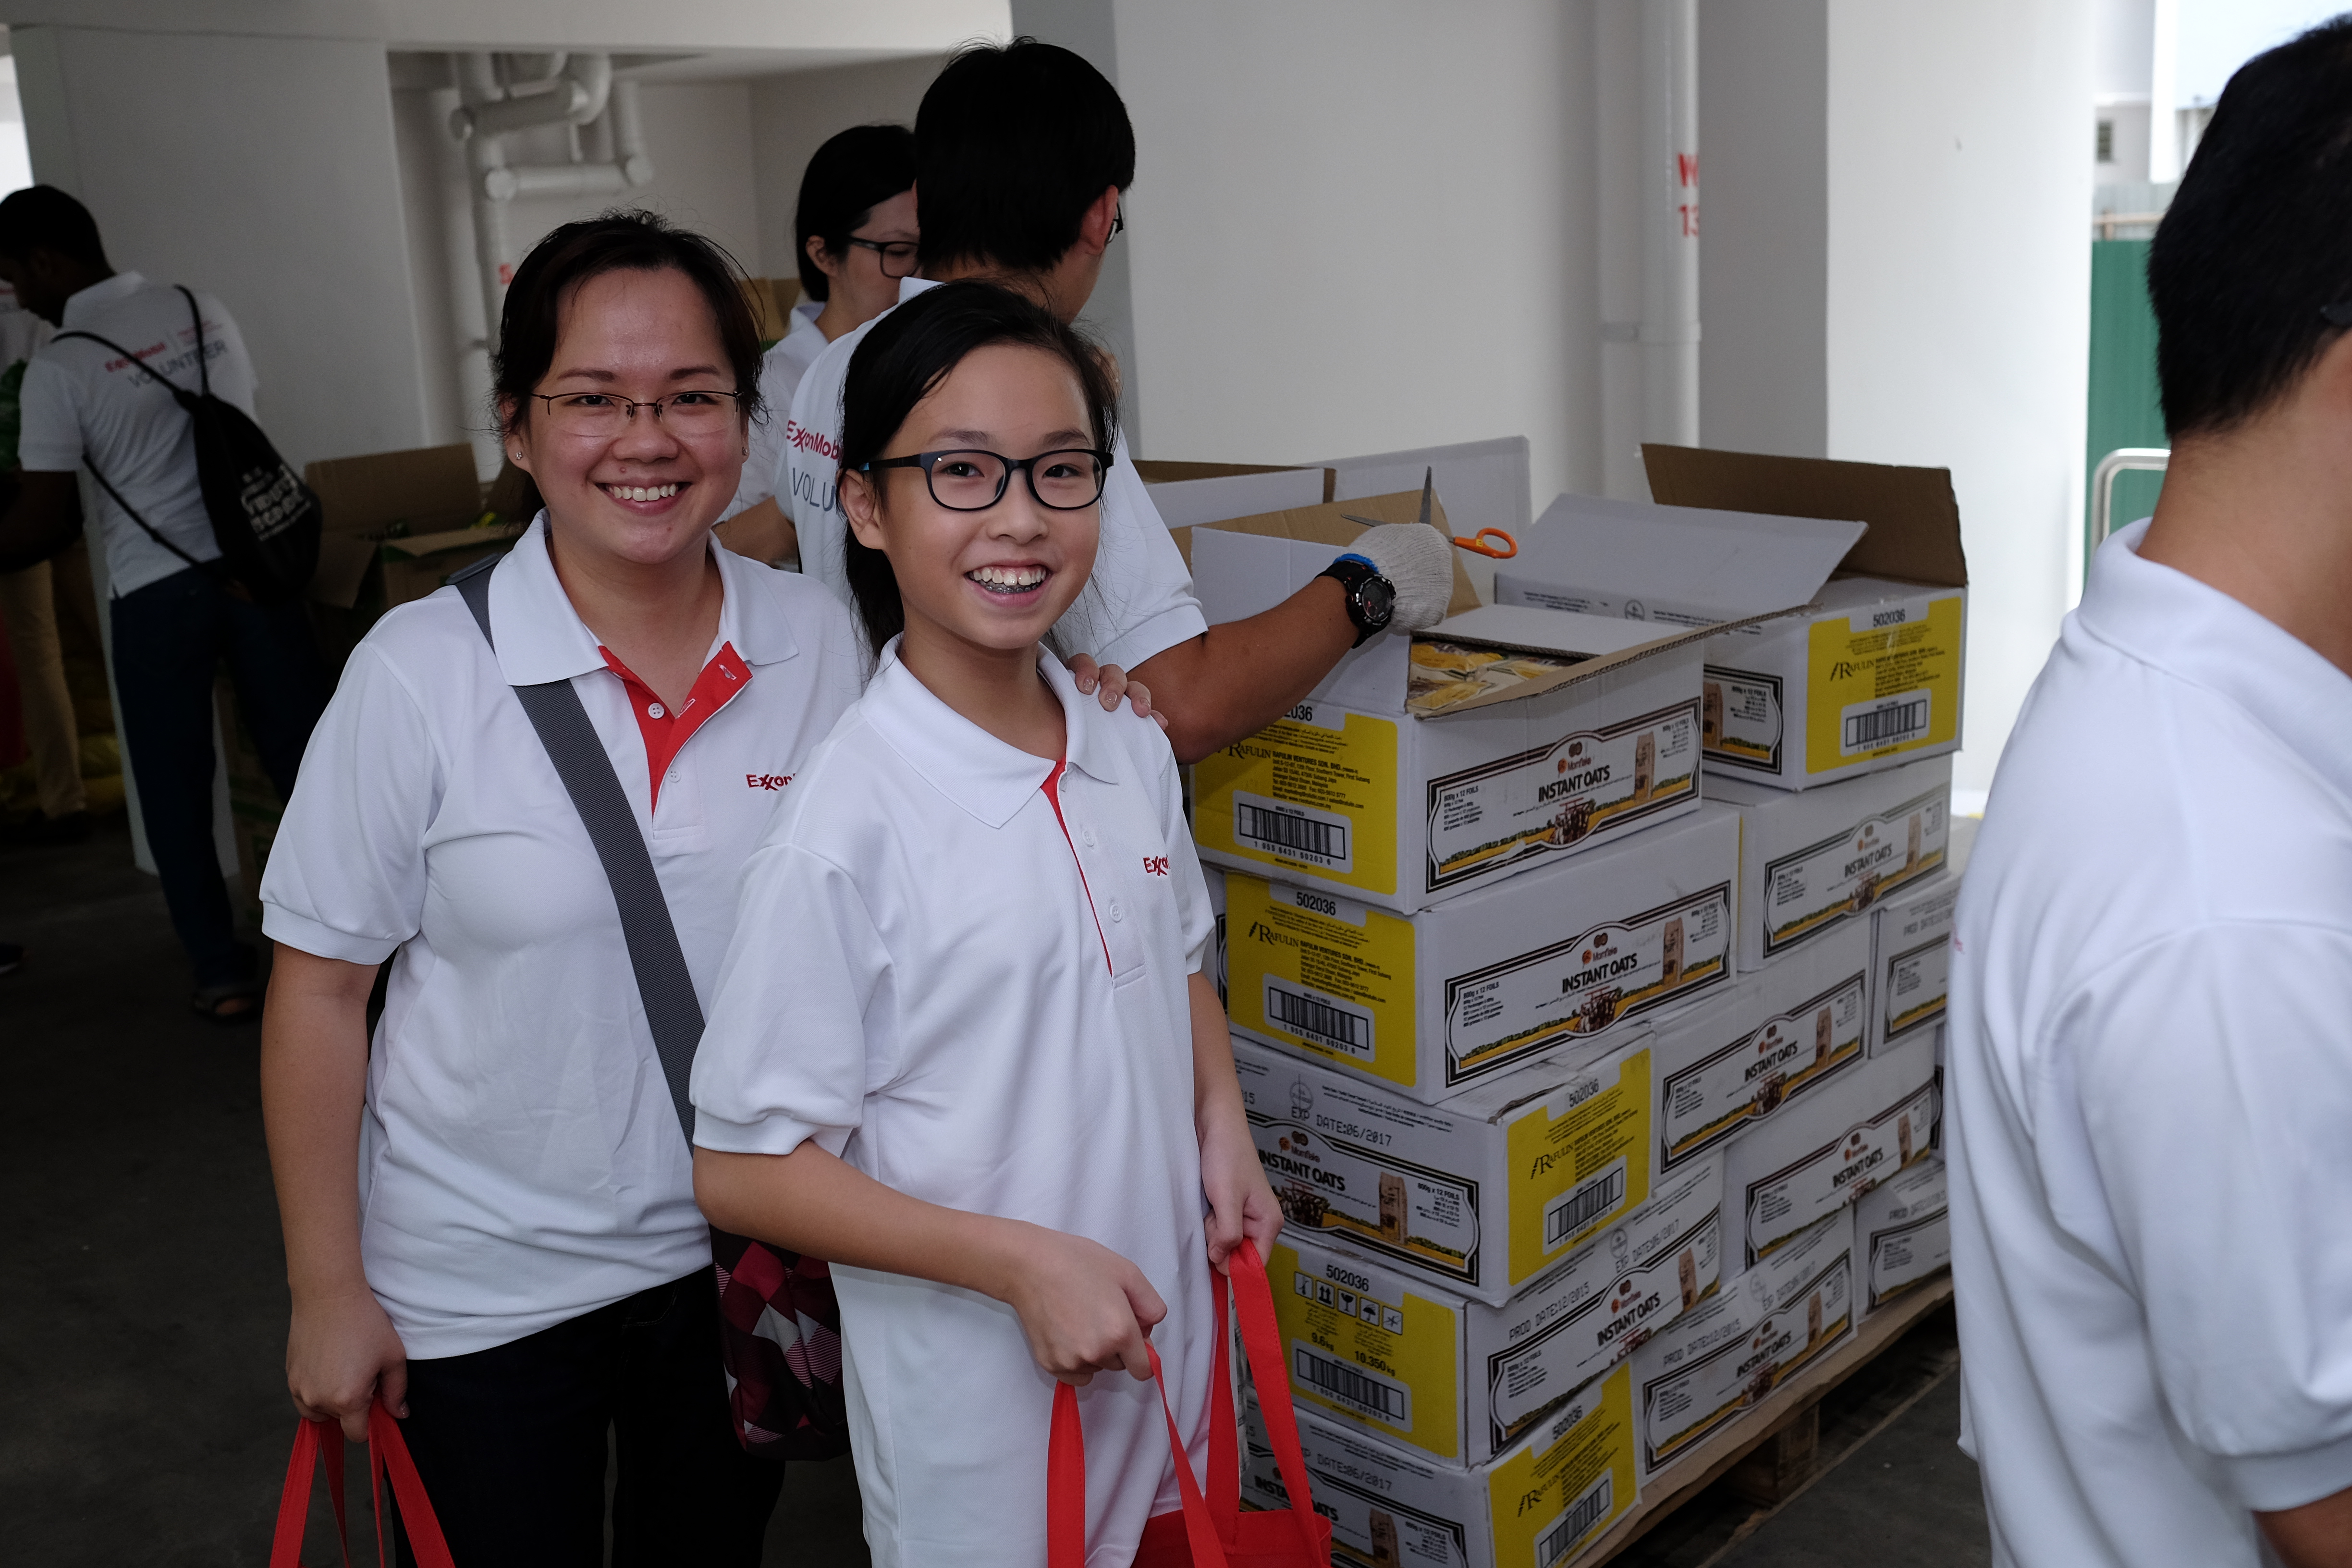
(1476, 543)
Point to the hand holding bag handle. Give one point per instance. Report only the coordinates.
(387, 1454)
(1216, 1534)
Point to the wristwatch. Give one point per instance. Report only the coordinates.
(1372, 598)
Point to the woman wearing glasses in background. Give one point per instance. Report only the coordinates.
(489, 1214)
(854, 227)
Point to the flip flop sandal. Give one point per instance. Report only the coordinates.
(208, 1000)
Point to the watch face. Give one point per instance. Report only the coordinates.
(1377, 598)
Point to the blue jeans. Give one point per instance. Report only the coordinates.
(169, 638)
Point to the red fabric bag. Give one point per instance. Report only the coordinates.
(315, 1441)
(1211, 1532)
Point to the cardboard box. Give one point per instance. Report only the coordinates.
(1876, 676)
(1565, 958)
(1811, 863)
(1481, 1195)
(1788, 1173)
(1778, 1038)
(1185, 494)
(1911, 961)
(1536, 1507)
(1701, 1374)
(1902, 1230)
(1363, 791)
(1460, 1380)
(1872, 675)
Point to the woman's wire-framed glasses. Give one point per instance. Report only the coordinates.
(698, 412)
(972, 479)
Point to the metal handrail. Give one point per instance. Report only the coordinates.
(2153, 460)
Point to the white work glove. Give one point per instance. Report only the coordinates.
(1418, 561)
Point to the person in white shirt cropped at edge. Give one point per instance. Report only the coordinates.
(174, 614)
(1022, 153)
(964, 1044)
(2150, 1047)
(489, 1210)
(854, 227)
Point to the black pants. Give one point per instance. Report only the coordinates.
(169, 638)
(510, 1442)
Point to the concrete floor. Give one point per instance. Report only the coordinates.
(143, 1307)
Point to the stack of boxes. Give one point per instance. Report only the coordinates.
(1574, 1018)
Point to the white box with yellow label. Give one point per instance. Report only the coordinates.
(1461, 1381)
(1422, 767)
(1911, 948)
(1903, 1232)
(1701, 1374)
(1776, 1039)
(1561, 961)
(1814, 862)
(1872, 675)
(1554, 1492)
(1481, 1195)
(1793, 1170)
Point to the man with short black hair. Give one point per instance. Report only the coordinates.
(176, 614)
(1023, 153)
(2150, 1047)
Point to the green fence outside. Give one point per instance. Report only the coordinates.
(2123, 409)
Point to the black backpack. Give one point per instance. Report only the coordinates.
(265, 518)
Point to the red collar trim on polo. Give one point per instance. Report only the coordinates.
(1052, 788)
(664, 731)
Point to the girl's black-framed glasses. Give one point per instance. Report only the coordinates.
(970, 480)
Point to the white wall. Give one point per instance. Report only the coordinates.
(793, 116)
(701, 138)
(1763, 98)
(1958, 298)
(261, 169)
(1356, 228)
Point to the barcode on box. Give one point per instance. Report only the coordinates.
(1374, 1395)
(1318, 1019)
(1569, 1213)
(1295, 833)
(1555, 1543)
(1885, 722)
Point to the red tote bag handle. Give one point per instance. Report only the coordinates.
(387, 1454)
(1211, 1523)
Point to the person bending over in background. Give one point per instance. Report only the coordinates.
(1022, 153)
(176, 614)
(2151, 994)
(854, 228)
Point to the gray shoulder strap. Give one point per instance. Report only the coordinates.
(664, 983)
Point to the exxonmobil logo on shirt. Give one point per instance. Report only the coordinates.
(799, 435)
(1155, 865)
(766, 781)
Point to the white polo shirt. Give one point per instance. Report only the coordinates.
(83, 403)
(781, 369)
(520, 1160)
(934, 979)
(2150, 1082)
(1139, 601)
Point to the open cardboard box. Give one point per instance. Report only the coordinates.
(1356, 792)
(1190, 493)
(397, 524)
(1872, 677)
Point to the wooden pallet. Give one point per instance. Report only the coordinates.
(1769, 1454)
